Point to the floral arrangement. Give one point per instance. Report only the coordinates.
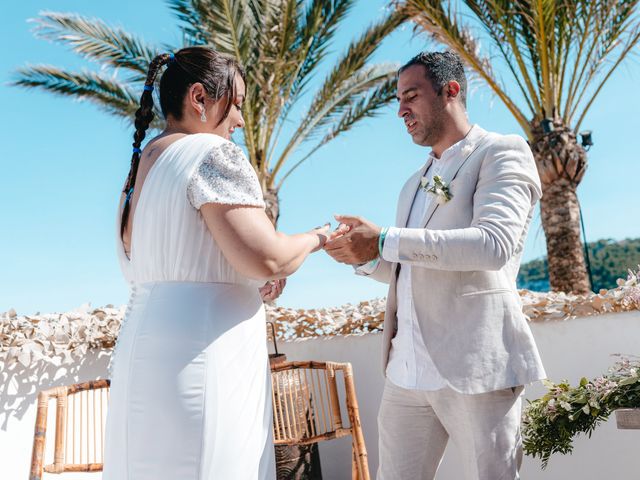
(550, 423)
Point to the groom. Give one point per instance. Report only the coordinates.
(457, 350)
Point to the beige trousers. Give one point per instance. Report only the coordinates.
(414, 427)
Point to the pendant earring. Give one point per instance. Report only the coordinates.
(203, 116)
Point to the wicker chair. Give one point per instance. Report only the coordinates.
(306, 408)
(79, 429)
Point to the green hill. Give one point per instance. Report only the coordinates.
(610, 260)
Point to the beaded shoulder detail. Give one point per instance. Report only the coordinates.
(225, 176)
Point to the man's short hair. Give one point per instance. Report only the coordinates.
(441, 68)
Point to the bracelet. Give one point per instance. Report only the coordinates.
(383, 234)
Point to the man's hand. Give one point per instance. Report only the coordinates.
(359, 243)
(272, 289)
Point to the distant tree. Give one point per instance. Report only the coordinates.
(610, 260)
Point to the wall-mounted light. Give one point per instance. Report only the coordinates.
(585, 139)
(547, 125)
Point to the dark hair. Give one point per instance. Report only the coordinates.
(441, 68)
(215, 71)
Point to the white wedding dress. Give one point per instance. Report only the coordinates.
(190, 393)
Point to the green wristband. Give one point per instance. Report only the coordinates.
(383, 234)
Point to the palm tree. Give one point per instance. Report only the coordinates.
(556, 56)
(282, 44)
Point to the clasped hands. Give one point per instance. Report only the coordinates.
(354, 241)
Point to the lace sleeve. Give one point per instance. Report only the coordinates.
(225, 176)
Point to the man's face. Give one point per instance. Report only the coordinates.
(421, 108)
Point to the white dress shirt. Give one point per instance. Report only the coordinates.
(410, 365)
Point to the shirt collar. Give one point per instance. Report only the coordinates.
(467, 143)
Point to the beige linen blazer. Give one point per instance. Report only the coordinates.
(464, 266)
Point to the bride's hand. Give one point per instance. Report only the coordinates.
(323, 235)
(272, 289)
(340, 230)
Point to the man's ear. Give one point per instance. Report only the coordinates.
(452, 89)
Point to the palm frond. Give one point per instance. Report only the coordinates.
(335, 92)
(235, 27)
(352, 91)
(447, 27)
(227, 24)
(316, 33)
(190, 22)
(275, 69)
(109, 94)
(281, 43)
(95, 40)
(355, 57)
(369, 105)
(632, 42)
(559, 52)
(349, 92)
(617, 34)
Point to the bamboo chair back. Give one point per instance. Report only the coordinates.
(78, 438)
(307, 409)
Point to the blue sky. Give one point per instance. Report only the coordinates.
(64, 163)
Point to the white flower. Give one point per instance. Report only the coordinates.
(438, 187)
(566, 406)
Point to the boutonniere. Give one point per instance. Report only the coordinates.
(438, 187)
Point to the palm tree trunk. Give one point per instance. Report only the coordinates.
(561, 164)
(560, 214)
(272, 205)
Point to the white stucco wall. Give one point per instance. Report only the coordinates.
(570, 349)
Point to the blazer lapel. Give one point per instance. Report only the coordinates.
(408, 198)
(451, 172)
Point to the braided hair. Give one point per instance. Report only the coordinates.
(215, 71)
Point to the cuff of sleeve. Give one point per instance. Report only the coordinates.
(392, 245)
(368, 268)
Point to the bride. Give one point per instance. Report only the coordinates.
(190, 392)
